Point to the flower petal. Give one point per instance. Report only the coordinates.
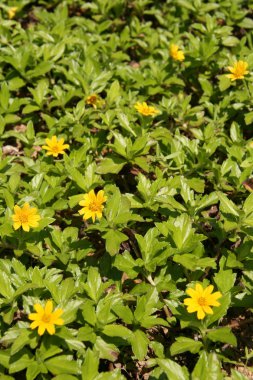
(207, 309)
(41, 328)
(34, 324)
(49, 307)
(59, 322)
(50, 328)
(200, 314)
(34, 316)
(39, 308)
(208, 290)
(56, 314)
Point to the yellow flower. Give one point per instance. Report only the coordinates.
(92, 205)
(201, 300)
(26, 217)
(12, 12)
(176, 54)
(94, 100)
(55, 146)
(145, 110)
(46, 318)
(238, 70)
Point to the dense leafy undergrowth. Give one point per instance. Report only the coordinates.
(113, 211)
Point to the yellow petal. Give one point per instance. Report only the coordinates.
(82, 211)
(50, 328)
(34, 324)
(34, 316)
(39, 308)
(41, 329)
(17, 209)
(99, 214)
(59, 322)
(57, 313)
(192, 308)
(207, 309)
(49, 307)
(208, 290)
(16, 225)
(188, 301)
(26, 227)
(100, 196)
(199, 289)
(26, 207)
(200, 314)
(191, 292)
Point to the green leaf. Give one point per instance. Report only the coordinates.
(20, 342)
(41, 69)
(236, 375)
(6, 288)
(219, 311)
(62, 364)
(226, 205)
(90, 365)
(139, 343)
(184, 344)
(20, 361)
(113, 93)
(173, 370)
(127, 264)
(222, 334)
(112, 165)
(225, 280)
(4, 358)
(33, 370)
(65, 377)
(106, 350)
(4, 96)
(94, 287)
(208, 367)
(113, 239)
(113, 330)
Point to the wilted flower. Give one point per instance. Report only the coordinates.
(55, 147)
(92, 205)
(176, 53)
(12, 12)
(26, 217)
(238, 71)
(145, 110)
(201, 300)
(94, 100)
(45, 318)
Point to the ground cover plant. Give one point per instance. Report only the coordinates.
(126, 200)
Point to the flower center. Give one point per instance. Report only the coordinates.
(202, 301)
(92, 99)
(23, 218)
(55, 149)
(239, 71)
(46, 318)
(93, 206)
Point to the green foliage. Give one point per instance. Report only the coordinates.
(179, 208)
